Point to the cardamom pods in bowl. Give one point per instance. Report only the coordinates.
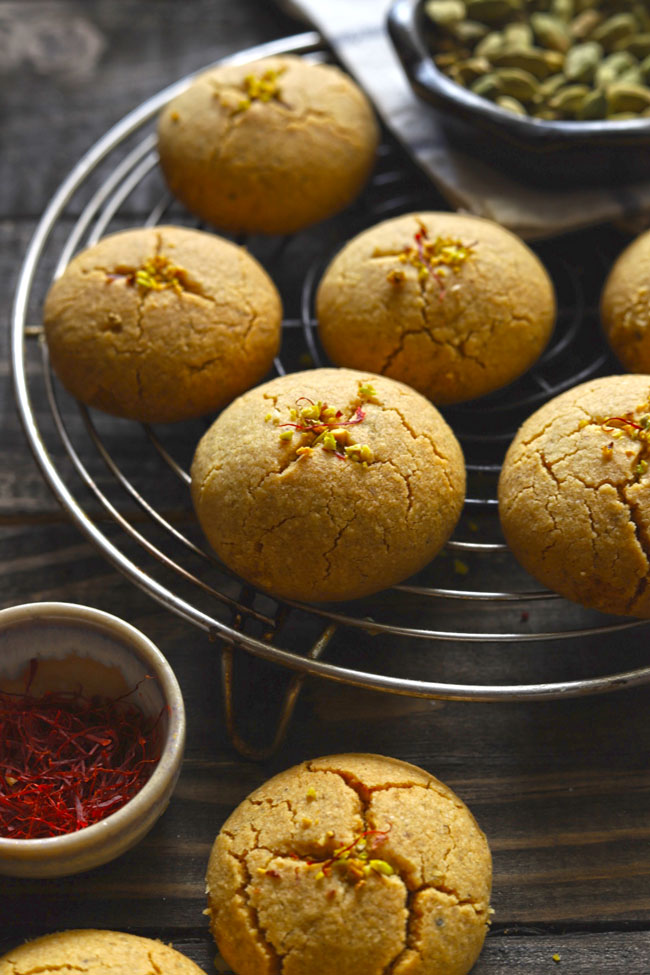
(561, 88)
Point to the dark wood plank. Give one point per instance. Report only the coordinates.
(562, 789)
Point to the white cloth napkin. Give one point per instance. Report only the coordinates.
(356, 32)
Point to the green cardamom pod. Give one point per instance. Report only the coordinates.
(645, 69)
(569, 100)
(632, 76)
(613, 67)
(564, 9)
(511, 104)
(468, 32)
(551, 32)
(467, 71)
(487, 87)
(445, 12)
(489, 11)
(582, 60)
(639, 45)
(582, 26)
(516, 83)
(492, 42)
(614, 29)
(534, 61)
(518, 34)
(624, 97)
(594, 106)
(549, 86)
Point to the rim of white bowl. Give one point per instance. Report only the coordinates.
(171, 755)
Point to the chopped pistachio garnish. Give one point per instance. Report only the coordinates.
(360, 452)
(435, 258)
(460, 567)
(354, 862)
(261, 88)
(324, 426)
(366, 391)
(633, 428)
(156, 274)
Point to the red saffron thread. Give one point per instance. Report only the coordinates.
(68, 760)
(622, 419)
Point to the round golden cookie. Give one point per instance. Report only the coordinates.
(162, 324)
(96, 953)
(349, 864)
(455, 306)
(270, 146)
(625, 306)
(328, 484)
(574, 495)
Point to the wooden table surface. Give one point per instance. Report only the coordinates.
(561, 788)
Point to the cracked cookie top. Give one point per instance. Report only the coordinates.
(162, 324)
(96, 953)
(268, 147)
(347, 864)
(328, 485)
(574, 495)
(455, 306)
(625, 306)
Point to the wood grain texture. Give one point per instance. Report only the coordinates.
(562, 789)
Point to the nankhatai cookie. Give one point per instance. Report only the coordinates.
(454, 305)
(270, 147)
(162, 324)
(574, 495)
(328, 484)
(96, 953)
(625, 306)
(350, 864)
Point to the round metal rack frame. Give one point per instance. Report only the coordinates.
(159, 552)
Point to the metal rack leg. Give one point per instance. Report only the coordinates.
(245, 748)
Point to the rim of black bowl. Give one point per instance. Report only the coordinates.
(404, 22)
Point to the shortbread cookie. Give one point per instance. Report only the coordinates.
(328, 484)
(271, 146)
(96, 953)
(162, 324)
(453, 305)
(350, 864)
(625, 306)
(574, 495)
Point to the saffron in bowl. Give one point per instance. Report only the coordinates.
(91, 738)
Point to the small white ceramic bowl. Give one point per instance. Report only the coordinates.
(90, 649)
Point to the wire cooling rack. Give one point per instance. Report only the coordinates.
(473, 625)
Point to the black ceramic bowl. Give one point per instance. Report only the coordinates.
(558, 153)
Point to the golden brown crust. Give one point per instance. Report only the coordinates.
(574, 495)
(274, 166)
(96, 953)
(162, 355)
(422, 909)
(452, 338)
(625, 306)
(318, 527)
